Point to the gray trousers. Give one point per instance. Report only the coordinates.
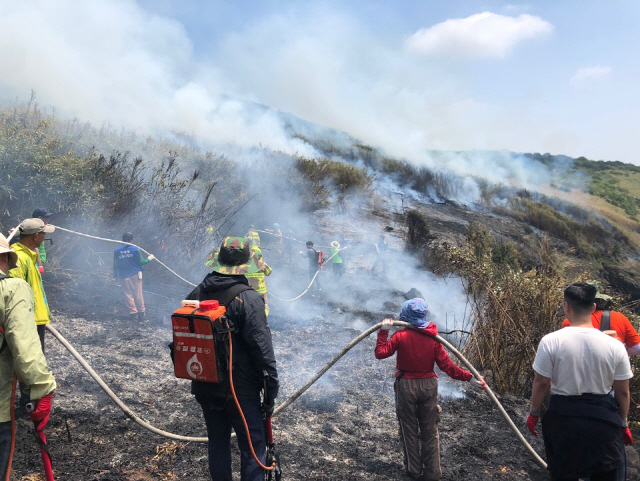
(418, 415)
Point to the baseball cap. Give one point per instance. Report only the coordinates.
(4, 247)
(34, 226)
(41, 212)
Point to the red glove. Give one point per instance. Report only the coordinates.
(40, 415)
(41, 269)
(531, 423)
(627, 437)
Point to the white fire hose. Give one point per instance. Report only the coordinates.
(300, 391)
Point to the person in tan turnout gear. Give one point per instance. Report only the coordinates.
(20, 353)
(257, 280)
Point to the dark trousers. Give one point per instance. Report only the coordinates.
(5, 447)
(219, 420)
(338, 270)
(24, 397)
(316, 284)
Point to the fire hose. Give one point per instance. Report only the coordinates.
(171, 270)
(301, 390)
(313, 279)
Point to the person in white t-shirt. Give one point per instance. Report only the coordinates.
(584, 429)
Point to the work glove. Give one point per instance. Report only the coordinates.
(627, 438)
(151, 257)
(478, 384)
(40, 415)
(531, 424)
(301, 253)
(268, 407)
(41, 269)
(387, 324)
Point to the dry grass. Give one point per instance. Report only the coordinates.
(512, 308)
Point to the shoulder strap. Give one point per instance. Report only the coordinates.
(224, 297)
(605, 321)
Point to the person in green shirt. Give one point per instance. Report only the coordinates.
(336, 260)
(44, 215)
(20, 353)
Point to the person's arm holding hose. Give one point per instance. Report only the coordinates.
(541, 386)
(621, 392)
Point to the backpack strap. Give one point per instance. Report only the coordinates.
(3, 344)
(605, 321)
(224, 297)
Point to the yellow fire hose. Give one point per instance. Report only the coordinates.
(300, 391)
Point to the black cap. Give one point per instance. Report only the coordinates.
(41, 212)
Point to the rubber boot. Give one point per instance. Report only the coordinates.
(133, 317)
(141, 316)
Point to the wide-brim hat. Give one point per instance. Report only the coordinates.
(35, 226)
(335, 245)
(5, 247)
(233, 257)
(415, 311)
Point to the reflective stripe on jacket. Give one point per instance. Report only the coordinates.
(27, 270)
(22, 353)
(265, 269)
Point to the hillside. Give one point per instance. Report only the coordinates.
(487, 253)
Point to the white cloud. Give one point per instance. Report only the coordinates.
(483, 35)
(587, 74)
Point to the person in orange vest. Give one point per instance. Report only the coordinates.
(605, 319)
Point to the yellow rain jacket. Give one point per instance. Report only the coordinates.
(22, 353)
(264, 269)
(27, 270)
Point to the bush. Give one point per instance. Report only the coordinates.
(511, 308)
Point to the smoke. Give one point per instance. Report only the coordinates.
(119, 63)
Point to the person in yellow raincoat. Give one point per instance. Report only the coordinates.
(257, 279)
(20, 353)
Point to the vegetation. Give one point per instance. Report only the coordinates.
(105, 191)
(326, 177)
(589, 237)
(512, 308)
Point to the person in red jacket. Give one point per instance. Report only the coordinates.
(416, 386)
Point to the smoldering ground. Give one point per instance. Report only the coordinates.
(342, 428)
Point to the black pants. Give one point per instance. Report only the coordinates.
(316, 284)
(24, 397)
(220, 419)
(5, 447)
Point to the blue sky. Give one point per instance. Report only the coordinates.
(407, 76)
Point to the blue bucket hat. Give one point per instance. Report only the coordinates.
(415, 311)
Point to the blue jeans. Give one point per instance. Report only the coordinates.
(219, 420)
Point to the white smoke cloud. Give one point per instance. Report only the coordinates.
(115, 62)
(483, 35)
(587, 74)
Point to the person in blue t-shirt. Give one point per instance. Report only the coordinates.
(127, 266)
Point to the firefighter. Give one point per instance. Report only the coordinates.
(315, 263)
(127, 266)
(257, 279)
(20, 353)
(416, 386)
(254, 364)
(337, 260)
(32, 232)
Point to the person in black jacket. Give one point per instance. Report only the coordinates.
(254, 364)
